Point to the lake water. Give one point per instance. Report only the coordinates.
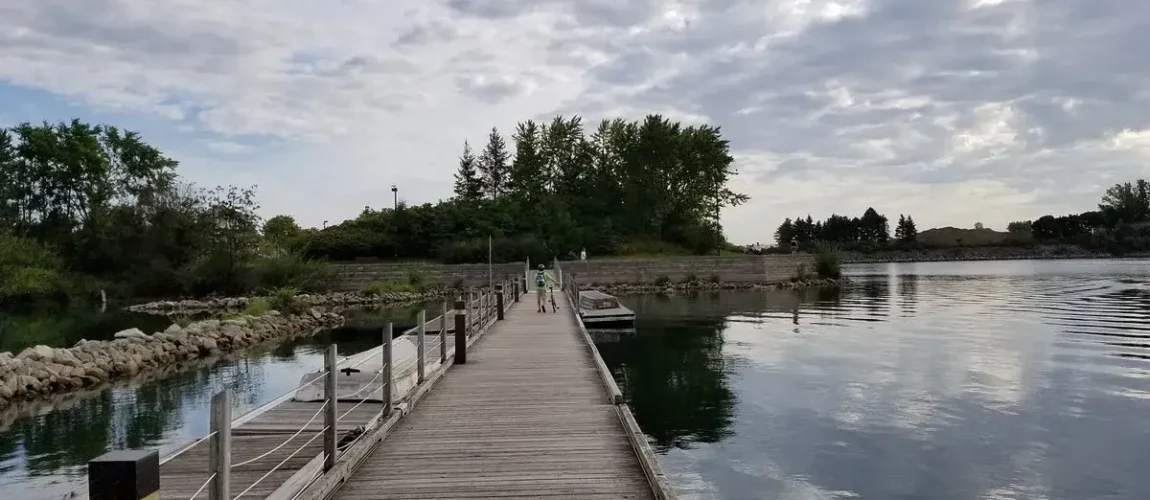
(981, 380)
(45, 456)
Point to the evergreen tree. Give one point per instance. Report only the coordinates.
(525, 177)
(468, 184)
(785, 232)
(900, 228)
(493, 165)
(910, 233)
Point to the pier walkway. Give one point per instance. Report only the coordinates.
(528, 409)
(527, 416)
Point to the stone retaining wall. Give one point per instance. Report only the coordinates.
(733, 269)
(352, 276)
(727, 269)
(620, 289)
(42, 370)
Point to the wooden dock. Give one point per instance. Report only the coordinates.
(527, 416)
(527, 409)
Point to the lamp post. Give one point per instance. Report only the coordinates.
(394, 211)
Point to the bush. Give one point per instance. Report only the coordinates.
(258, 306)
(294, 271)
(801, 273)
(691, 278)
(415, 279)
(663, 281)
(29, 271)
(503, 249)
(218, 273)
(828, 261)
(716, 279)
(379, 288)
(284, 300)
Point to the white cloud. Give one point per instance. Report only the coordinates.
(831, 106)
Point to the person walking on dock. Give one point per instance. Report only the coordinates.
(542, 278)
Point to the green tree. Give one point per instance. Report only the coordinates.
(493, 165)
(468, 184)
(1126, 202)
(1019, 227)
(785, 233)
(910, 233)
(281, 232)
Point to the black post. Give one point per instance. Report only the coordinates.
(460, 333)
(516, 289)
(124, 475)
(499, 302)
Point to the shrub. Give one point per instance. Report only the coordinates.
(29, 271)
(663, 281)
(828, 261)
(415, 279)
(258, 306)
(691, 278)
(218, 273)
(379, 288)
(801, 273)
(292, 270)
(716, 279)
(284, 300)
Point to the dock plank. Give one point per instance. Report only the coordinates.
(526, 417)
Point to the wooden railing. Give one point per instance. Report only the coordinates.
(469, 318)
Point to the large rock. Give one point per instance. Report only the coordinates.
(174, 329)
(131, 333)
(39, 352)
(65, 357)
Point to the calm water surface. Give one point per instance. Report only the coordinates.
(45, 456)
(988, 380)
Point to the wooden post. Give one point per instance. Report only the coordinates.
(517, 290)
(443, 334)
(125, 475)
(220, 449)
(460, 334)
(499, 302)
(419, 348)
(331, 393)
(470, 307)
(387, 369)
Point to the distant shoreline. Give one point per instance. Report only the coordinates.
(962, 254)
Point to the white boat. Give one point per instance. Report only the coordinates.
(360, 375)
(600, 310)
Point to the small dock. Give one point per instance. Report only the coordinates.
(527, 416)
(527, 408)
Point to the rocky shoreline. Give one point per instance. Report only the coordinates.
(619, 289)
(42, 371)
(334, 299)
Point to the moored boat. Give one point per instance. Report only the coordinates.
(601, 310)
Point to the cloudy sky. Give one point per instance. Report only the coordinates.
(954, 111)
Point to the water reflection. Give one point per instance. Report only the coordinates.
(63, 327)
(45, 445)
(928, 381)
(673, 374)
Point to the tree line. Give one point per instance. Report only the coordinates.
(89, 207)
(871, 230)
(627, 187)
(92, 207)
(1120, 225)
